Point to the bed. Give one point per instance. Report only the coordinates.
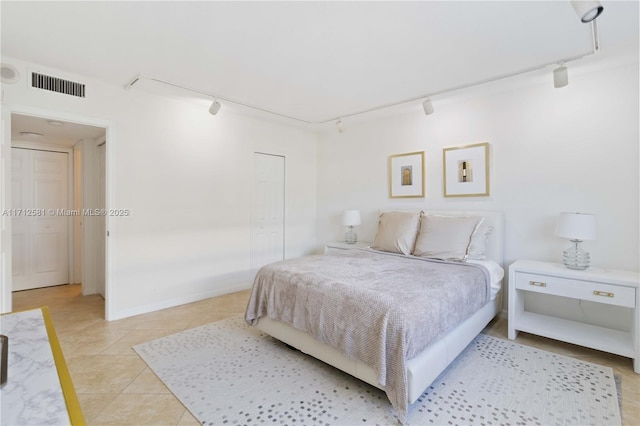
(394, 315)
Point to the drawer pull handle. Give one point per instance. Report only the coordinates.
(603, 293)
(537, 283)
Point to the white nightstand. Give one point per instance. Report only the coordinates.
(612, 287)
(341, 245)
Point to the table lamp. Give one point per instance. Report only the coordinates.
(576, 227)
(351, 218)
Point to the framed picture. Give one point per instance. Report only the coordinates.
(466, 170)
(406, 175)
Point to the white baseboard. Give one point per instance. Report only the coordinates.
(145, 309)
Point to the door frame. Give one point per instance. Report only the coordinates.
(5, 198)
(101, 167)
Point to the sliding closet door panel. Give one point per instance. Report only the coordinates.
(267, 210)
(41, 196)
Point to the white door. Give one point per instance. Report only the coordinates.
(100, 240)
(40, 250)
(267, 210)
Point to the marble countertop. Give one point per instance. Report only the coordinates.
(33, 392)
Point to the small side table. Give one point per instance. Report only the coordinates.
(612, 287)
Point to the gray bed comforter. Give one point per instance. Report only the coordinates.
(378, 308)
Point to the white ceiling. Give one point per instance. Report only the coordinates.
(314, 61)
(54, 132)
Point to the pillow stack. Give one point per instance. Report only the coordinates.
(455, 238)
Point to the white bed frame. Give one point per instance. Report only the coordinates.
(423, 369)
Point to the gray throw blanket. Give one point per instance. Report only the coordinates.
(378, 308)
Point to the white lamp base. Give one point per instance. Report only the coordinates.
(576, 258)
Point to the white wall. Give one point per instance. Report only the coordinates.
(187, 178)
(552, 150)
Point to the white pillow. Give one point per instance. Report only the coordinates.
(445, 237)
(397, 231)
(478, 246)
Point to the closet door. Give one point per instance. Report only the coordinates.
(267, 210)
(40, 249)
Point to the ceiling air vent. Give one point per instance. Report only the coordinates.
(58, 85)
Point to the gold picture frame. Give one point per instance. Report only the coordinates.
(466, 170)
(406, 175)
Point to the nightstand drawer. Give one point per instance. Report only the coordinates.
(576, 289)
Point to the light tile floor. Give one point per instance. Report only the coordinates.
(115, 387)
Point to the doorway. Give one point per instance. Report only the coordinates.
(84, 260)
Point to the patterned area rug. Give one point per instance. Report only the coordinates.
(229, 373)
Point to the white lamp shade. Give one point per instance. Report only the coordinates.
(351, 218)
(576, 226)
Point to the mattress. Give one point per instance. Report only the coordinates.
(495, 272)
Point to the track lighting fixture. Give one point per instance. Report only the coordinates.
(560, 76)
(427, 106)
(215, 107)
(587, 11)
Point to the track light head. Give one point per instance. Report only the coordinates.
(560, 77)
(587, 11)
(427, 106)
(214, 108)
(340, 126)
